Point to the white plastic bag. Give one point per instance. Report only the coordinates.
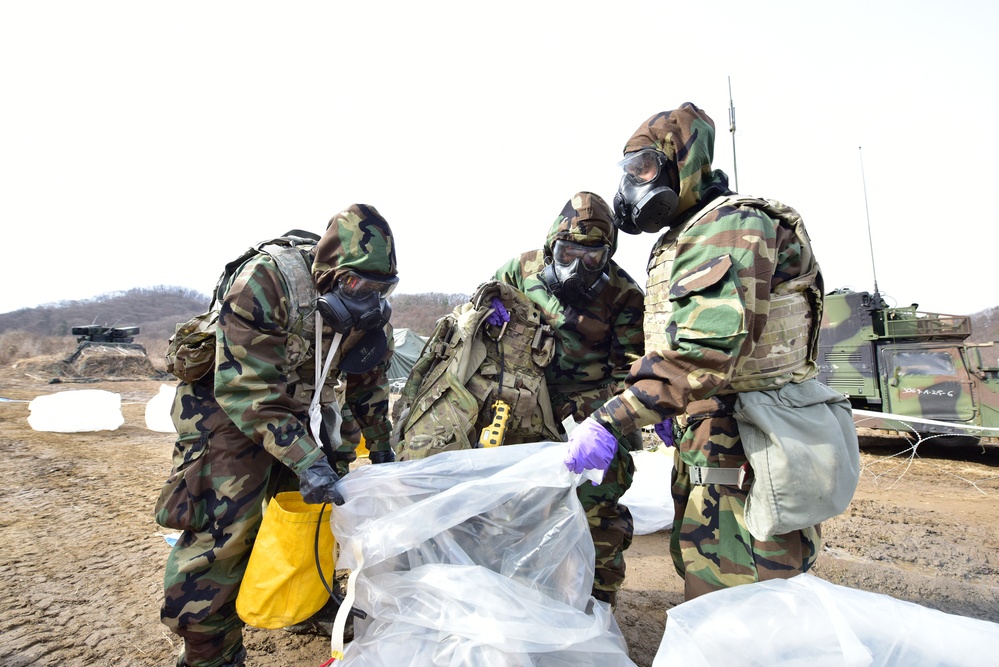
(76, 411)
(477, 557)
(649, 498)
(809, 622)
(158, 410)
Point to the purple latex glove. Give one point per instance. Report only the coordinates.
(499, 314)
(590, 446)
(664, 430)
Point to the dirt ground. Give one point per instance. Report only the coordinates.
(82, 559)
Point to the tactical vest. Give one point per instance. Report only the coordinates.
(191, 350)
(466, 365)
(787, 348)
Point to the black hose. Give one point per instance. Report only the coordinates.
(322, 577)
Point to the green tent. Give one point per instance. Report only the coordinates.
(408, 345)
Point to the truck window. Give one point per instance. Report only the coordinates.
(925, 363)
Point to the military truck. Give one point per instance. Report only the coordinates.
(907, 371)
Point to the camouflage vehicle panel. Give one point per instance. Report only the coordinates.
(915, 368)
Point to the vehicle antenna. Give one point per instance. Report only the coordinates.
(731, 128)
(870, 239)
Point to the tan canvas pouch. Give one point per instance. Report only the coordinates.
(191, 350)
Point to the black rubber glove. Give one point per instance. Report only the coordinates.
(318, 483)
(387, 456)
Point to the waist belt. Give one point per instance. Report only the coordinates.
(703, 475)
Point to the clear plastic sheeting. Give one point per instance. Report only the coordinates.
(649, 498)
(809, 622)
(478, 557)
(76, 411)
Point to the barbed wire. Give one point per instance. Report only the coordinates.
(899, 463)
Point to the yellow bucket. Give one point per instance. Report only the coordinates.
(281, 586)
(362, 449)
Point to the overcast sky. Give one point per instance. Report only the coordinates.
(146, 144)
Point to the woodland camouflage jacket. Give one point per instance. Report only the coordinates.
(727, 265)
(263, 360)
(597, 342)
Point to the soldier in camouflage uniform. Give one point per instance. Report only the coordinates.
(243, 428)
(595, 310)
(716, 277)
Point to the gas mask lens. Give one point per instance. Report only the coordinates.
(355, 285)
(642, 166)
(593, 258)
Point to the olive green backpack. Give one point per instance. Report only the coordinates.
(191, 350)
(467, 365)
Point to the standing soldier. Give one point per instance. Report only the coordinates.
(595, 310)
(244, 426)
(733, 304)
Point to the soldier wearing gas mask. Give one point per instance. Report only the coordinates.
(255, 423)
(733, 305)
(595, 309)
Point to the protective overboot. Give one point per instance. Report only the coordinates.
(321, 623)
(610, 597)
(238, 660)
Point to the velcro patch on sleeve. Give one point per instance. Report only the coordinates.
(700, 277)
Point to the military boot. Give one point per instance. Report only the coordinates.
(610, 597)
(321, 623)
(238, 660)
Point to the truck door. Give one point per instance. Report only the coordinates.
(928, 382)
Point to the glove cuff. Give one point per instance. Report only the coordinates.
(382, 457)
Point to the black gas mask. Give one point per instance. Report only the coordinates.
(357, 301)
(645, 199)
(576, 273)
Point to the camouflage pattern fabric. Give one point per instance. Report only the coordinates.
(356, 239)
(237, 424)
(466, 365)
(595, 344)
(611, 525)
(725, 268)
(710, 544)
(224, 480)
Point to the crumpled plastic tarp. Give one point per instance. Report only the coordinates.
(478, 557)
(649, 498)
(810, 622)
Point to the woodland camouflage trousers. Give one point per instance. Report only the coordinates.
(710, 544)
(611, 525)
(215, 496)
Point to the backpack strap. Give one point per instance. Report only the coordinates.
(298, 277)
(286, 251)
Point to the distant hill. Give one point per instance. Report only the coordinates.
(157, 310)
(985, 325)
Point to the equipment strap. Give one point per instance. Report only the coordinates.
(703, 476)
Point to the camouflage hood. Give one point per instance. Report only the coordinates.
(687, 137)
(585, 219)
(358, 238)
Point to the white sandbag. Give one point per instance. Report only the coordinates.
(479, 557)
(158, 410)
(810, 622)
(76, 411)
(649, 497)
